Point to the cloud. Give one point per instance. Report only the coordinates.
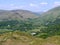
(43, 3)
(45, 10)
(12, 4)
(33, 5)
(56, 4)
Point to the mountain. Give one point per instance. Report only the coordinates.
(16, 14)
(49, 16)
(52, 14)
(48, 23)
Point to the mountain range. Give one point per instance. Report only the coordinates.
(22, 27)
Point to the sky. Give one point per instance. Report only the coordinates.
(32, 5)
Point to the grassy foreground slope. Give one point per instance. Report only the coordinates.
(22, 38)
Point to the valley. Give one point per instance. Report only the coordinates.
(22, 27)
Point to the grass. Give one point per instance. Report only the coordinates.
(22, 38)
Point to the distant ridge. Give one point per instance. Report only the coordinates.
(16, 14)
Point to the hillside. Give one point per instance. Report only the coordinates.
(49, 16)
(52, 14)
(22, 38)
(48, 23)
(16, 14)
